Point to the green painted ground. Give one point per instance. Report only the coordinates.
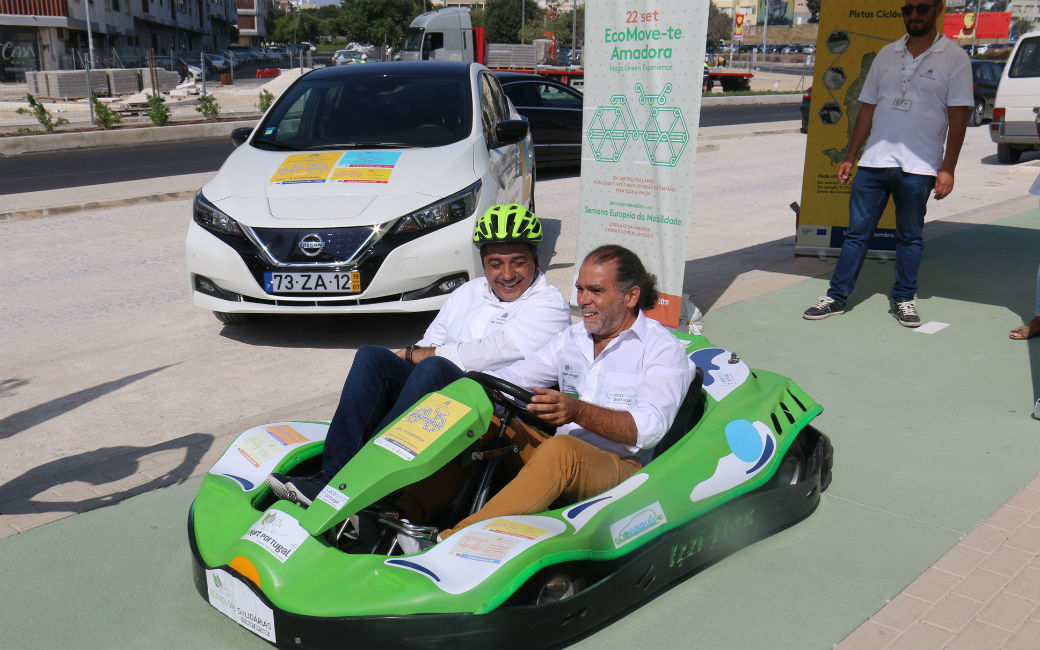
(932, 432)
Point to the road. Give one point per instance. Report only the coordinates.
(53, 170)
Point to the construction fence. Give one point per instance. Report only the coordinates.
(236, 88)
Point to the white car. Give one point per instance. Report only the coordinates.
(358, 192)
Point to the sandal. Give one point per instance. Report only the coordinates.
(1027, 331)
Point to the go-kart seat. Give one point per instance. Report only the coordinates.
(690, 412)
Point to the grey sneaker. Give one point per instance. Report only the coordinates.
(824, 308)
(298, 489)
(905, 312)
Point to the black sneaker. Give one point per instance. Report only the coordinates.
(298, 489)
(824, 308)
(905, 312)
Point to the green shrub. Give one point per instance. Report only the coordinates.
(37, 110)
(266, 99)
(158, 111)
(208, 106)
(103, 115)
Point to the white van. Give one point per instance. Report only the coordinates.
(1014, 121)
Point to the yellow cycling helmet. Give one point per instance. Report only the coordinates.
(507, 223)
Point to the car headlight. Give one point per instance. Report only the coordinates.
(454, 208)
(209, 216)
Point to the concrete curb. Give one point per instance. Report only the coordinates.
(19, 144)
(57, 210)
(750, 100)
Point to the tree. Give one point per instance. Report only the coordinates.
(1020, 26)
(380, 21)
(718, 26)
(814, 10)
(503, 18)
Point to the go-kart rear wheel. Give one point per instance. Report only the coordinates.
(559, 587)
(793, 467)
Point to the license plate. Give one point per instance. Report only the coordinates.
(313, 282)
(237, 601)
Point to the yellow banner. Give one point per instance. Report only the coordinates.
(850, 37)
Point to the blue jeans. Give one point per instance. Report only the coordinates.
(379, 387)
(1037, 312)
(871, 189)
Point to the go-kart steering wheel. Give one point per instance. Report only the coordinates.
(495, 387)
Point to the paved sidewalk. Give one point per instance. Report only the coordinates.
(983, 593)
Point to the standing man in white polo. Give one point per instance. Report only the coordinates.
(917, 94)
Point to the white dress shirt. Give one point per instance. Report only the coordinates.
(477, 331)
(644, 371)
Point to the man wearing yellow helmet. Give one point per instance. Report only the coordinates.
(486, 324)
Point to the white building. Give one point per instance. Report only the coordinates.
(52, 34)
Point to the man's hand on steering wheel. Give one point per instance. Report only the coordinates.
(497, 389)
(554, 407)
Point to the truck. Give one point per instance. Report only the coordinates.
(448, 34)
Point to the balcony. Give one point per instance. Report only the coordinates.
(35, 7)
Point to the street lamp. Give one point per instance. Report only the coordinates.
(975, 31)
(90, 35)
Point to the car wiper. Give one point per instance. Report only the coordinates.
(363, 145)
(274, 144)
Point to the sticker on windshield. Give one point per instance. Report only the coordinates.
(305, 168)
(365, 167)
(418, 429)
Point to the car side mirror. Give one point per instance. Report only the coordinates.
(241, 134)
(509, 132)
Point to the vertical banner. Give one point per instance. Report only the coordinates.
(738, 26)
(643, 76)
(849, 39)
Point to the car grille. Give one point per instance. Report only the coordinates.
(338, 245)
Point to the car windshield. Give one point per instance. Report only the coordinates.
(369, 111)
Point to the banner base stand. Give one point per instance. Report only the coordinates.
(825, 252)
(690, 317)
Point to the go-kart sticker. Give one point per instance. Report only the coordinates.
(233, 598)
(475, 553)
(483, 547)
(260, 446)
(254, 454)
(333, 497)
(635, 526)
(278, 533)
(580, 513)
(305, 168)
(417, 430)
(514, 528)
(365, 167)
(752, 444)
(720, 376)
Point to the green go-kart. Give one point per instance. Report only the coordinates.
(740, 462)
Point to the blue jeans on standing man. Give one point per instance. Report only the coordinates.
(379, 387)
(871, 188)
